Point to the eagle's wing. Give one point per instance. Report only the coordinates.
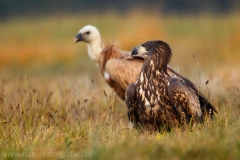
(130, 98)
(207, 108)
(184, 99)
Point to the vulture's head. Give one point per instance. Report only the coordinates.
(87, 34)
(91, 36)
(158, 50)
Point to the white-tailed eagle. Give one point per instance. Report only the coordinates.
(157, 97)
(119, 68)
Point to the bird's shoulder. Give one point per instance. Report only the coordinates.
(178, 90)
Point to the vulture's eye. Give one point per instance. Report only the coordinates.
(87, 32)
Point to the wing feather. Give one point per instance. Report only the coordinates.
(184, 99)
(206, 107)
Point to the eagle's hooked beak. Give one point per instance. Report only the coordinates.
(134, 51)
(78, 38)
(139, 52)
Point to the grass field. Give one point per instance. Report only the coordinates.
(54, 103)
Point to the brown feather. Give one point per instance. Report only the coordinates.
(121, 67)
(108, 52)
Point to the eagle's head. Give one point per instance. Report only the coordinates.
(154, 49)
(87, 34)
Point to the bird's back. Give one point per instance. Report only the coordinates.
(119, 68)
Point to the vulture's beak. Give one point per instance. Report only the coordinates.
(78, 38)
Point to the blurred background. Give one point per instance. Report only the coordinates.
(37, 36)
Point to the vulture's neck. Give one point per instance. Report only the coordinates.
(95, 49)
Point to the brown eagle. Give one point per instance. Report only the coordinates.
(157, 97)
(119, 68)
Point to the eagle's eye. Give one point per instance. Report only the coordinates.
(145, 46)
(88, 32)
